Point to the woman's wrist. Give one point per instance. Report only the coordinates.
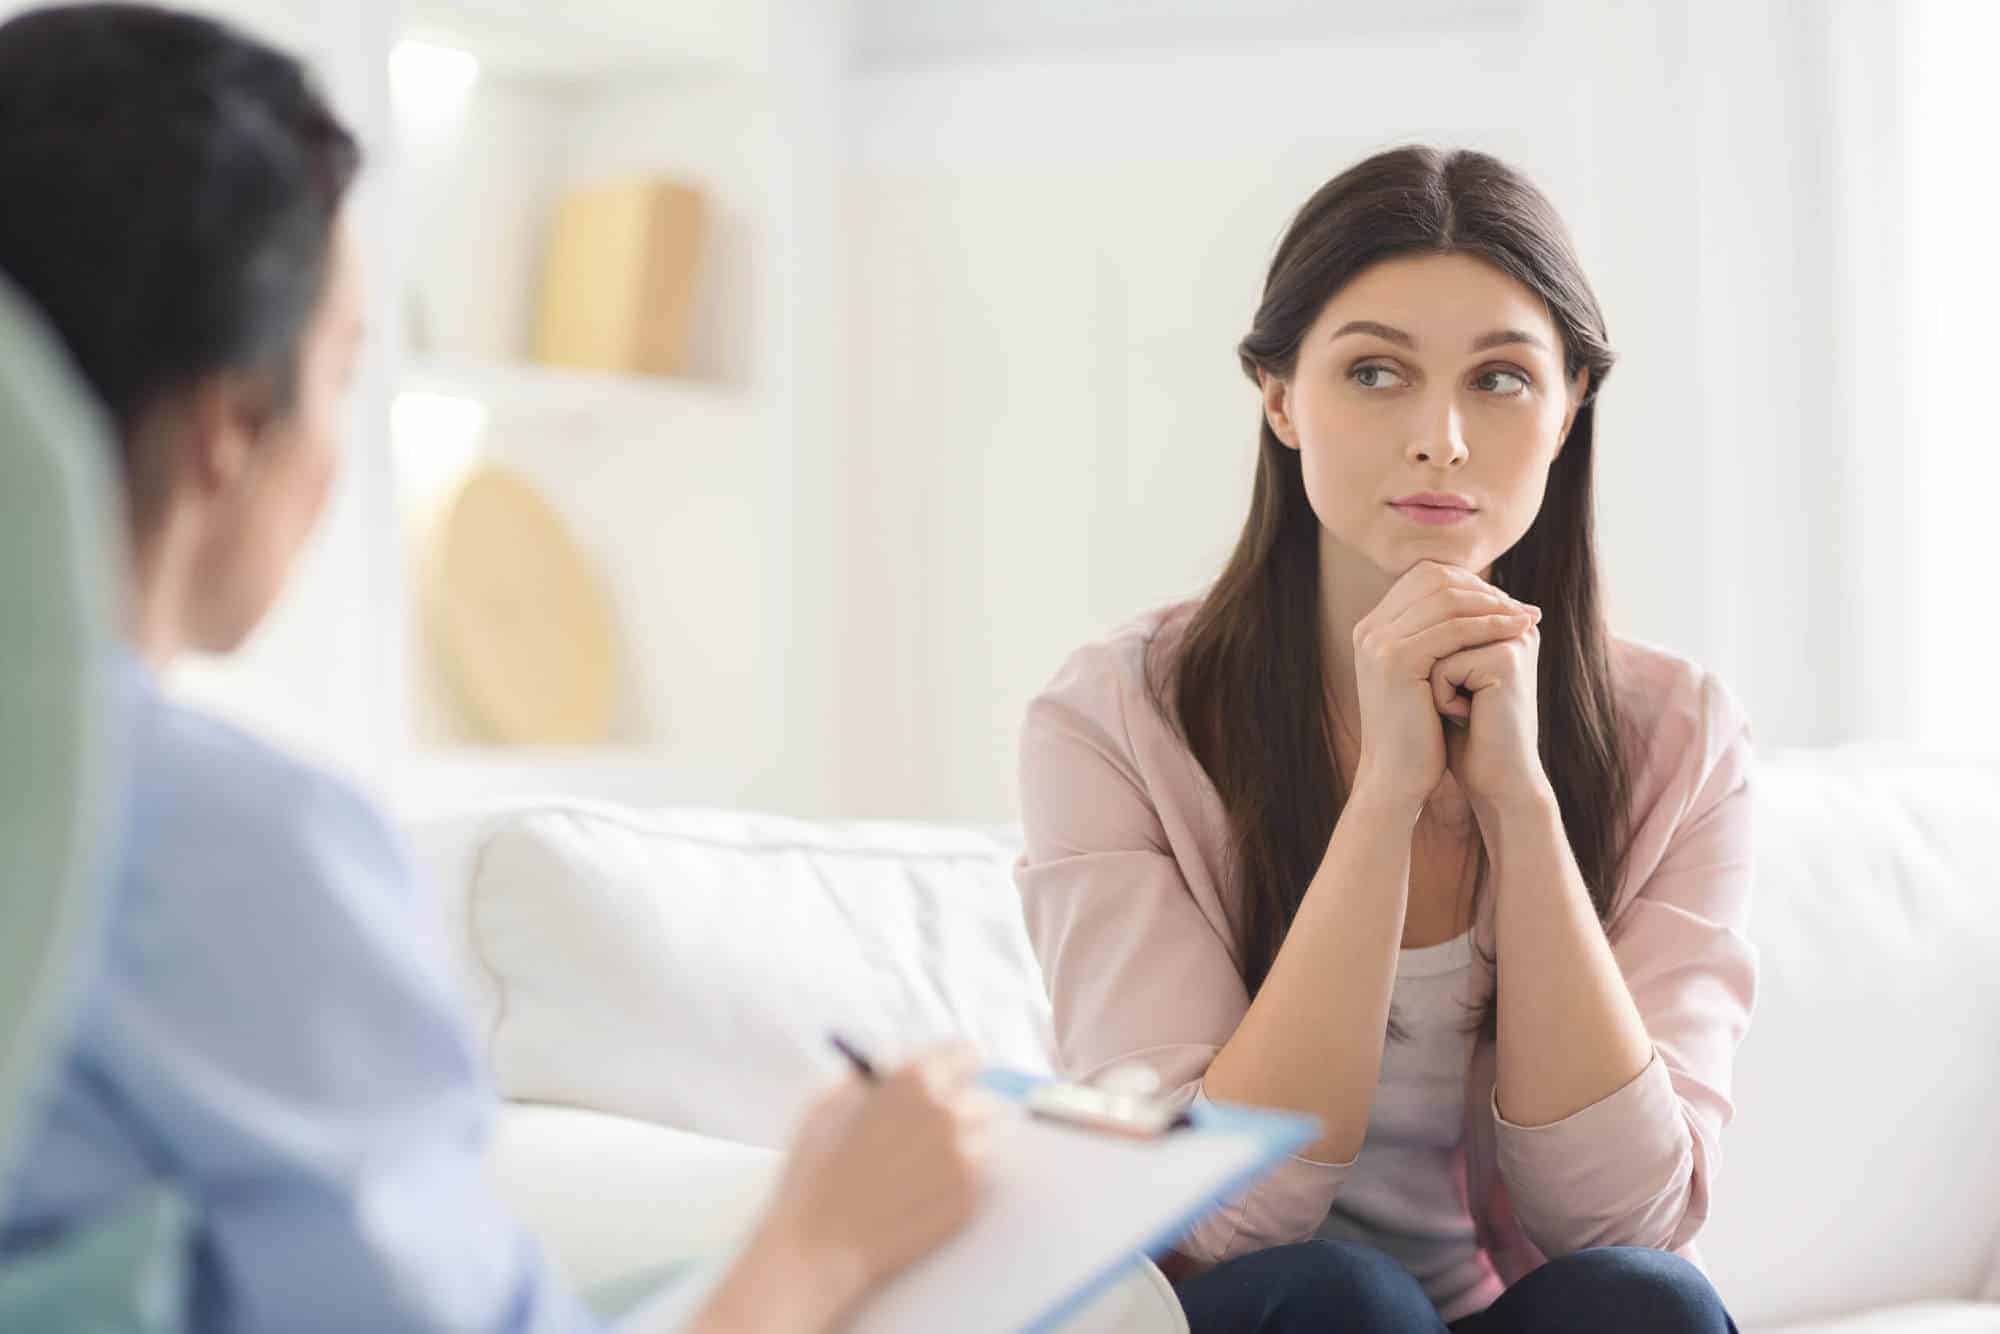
(1376, 795)
(1533, 802)
(1520, 830)
(783, 1281)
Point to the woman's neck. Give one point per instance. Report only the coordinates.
(156, 594)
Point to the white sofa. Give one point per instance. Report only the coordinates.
(655, 988)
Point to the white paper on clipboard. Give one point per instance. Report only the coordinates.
(1068, 1211)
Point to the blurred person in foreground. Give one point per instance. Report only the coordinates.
(272, 1027)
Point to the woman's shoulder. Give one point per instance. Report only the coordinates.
(1102, 764)
(218, 806)
(1657, 688)
(1107, 681)
(1681, 723)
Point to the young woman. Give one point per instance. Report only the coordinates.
(272, 1028)
(1386, 828)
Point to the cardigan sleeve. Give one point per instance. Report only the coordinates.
(1637, 1168)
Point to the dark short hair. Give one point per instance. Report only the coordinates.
(168, 191)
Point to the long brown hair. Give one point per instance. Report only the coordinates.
(1245, 684)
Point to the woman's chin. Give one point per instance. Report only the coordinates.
(1395, 554)
(1447, 548)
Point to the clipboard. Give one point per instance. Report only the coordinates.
(1072, 1207)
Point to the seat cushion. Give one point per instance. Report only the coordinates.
(610, 1197)
(686, 968)
(1915, 1318)
(617, 1202)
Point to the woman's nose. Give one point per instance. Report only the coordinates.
(1440, 439)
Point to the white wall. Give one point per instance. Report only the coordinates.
(1954, 477)
(905, 34)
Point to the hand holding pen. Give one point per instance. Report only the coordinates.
(883, 1169)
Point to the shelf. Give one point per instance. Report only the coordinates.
(444, 418)
(596, 39)
(513, 390)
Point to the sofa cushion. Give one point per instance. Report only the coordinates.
(1862, 1169)
(687, 967)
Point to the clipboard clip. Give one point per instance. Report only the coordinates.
(1122, 1103)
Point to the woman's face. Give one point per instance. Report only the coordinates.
(273, 499)
(1427, 404)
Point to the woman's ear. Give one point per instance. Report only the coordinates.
(1578, 387)
(1277, 408)
(224, 417)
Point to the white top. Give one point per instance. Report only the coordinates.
(1406, 1193)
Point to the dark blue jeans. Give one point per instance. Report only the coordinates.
(1337, 1287)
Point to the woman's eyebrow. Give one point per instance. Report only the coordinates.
(1502, 337)
(1389, 333)
(1382, 331)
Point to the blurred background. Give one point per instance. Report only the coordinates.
(849, 362)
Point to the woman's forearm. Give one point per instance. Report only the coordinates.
(1312, 1039)
(1569, 1033)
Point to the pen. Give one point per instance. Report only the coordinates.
(862, 1065)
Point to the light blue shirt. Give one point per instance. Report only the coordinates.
(273, 1028)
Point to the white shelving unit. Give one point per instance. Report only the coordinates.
(683, 491)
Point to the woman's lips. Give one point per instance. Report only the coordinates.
(1436, 516)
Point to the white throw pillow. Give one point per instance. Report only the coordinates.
(687, 967)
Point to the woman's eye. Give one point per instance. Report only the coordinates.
(1505, 383)
(1375, 377)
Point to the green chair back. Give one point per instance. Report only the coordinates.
(125, 1272)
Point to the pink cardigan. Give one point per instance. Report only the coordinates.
(1124, 882)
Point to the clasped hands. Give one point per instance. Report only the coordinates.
(1445, 672)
